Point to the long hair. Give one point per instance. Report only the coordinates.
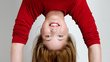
(42, 54)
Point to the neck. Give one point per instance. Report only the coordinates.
(55, 15)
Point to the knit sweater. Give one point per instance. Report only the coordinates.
(77, 9)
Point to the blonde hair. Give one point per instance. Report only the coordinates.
(42, 54)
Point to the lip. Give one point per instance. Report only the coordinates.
(54, 24)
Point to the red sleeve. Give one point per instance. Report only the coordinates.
(85, 20)
(27, 14)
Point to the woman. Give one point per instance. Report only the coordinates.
(78, 9)
(54, 44)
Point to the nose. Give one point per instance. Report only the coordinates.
(53, 30)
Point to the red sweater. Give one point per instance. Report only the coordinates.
(78, 9)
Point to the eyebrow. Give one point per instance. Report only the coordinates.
(50, 39)
(61, 39)
(46, 39)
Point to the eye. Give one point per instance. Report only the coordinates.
(47, 36)
(60, 35)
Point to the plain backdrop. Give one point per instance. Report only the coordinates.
(8, 12)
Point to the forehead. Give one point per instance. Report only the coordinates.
(55, 44)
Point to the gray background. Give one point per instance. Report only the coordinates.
(8, 13)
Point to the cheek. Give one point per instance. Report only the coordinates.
(64, 30)
(64, 27)
(45, 29)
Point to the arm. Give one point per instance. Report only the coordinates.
(85, 20)
(24, 20)
(16, 52)
(94, 53)
(27, 14)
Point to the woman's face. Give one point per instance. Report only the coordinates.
(54, 32)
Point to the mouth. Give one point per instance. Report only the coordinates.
(54, 24)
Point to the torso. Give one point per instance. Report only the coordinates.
(60, 5)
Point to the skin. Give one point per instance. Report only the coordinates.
(17, 52)
(94, 51)
(54, 30)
